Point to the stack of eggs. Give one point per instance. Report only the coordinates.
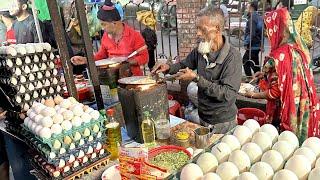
(253, 152)
(67, 134)
(27, 74)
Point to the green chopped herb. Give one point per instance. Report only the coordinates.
(170, 160)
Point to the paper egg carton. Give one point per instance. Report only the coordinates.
(66, 168)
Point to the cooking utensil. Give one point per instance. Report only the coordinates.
(202, 136)
(114, 60)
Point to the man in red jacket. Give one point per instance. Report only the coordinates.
(119, 40)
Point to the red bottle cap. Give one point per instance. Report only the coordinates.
(110, 112)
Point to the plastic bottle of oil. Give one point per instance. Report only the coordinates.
(114, 138)
(148, 130)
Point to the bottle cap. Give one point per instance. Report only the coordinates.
(110, 112)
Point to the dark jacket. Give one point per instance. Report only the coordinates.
(256, 31)
(218, 86)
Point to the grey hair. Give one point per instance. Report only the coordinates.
(215, 15)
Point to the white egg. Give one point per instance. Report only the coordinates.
(39, 85)
(21, 50)
(71, 159)
(89, 110)
(243, 134)
(29, 124)
(86, 117)
(58, 88)
(29, 111)
(30, 49)
(46, 122)
(38, 118)
(47, 83)
(284, 148)
(31, 87)
(81, 142)
(51, 56)
(67, 115)
(38, 47)
(48, 111)
(55, 81)
(66, 125)
(56, 129)
(27, 97)
(62, 151)
(18, 62)
(33, 127)
(52, 155)
(38, 129)
(39, 75)
(77, 136)
(27, 70)
(65, 103)
(95, 115)
(48, 74)
(263, 140)
(61, 110)
(308, 153)
(81, 154)
(26, 121)
(18, 99)
(9, 63)
(57, 107)
(14, 81)
(26, 107)
(36, 58)
(51, 90)
(101, 152)
(35, 68)
(23, 79)
(43, 67)
(31, 77)
(285, 174)
(62, 163)
(99, 146)
(72, 146)
(76, 121)
(44, 57)
(10, 50)
(46, 46)
(290, 137)
(18, 71)
(38, 109)
(77, 110)
(90, 150)
(271, 131)
(73, 100)
(35, 94)
(45, 133)
(57, 118)
(51, 65)
(43, 92)
(27, 60)
(32, 115)
(54, 72)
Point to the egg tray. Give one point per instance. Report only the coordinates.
(70, 133)
(45, 150)
(5, 79)
(48, 169)
(4, 57)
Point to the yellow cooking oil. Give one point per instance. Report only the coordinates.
(113, 132)
(148, 130)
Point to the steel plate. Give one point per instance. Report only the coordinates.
(109, 61)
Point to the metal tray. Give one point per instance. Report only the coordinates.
(137, 80)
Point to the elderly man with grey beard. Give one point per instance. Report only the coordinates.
(219, 71)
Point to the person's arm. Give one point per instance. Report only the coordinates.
(103, 51)
(142, 57)
(228, 86)
(191, 62)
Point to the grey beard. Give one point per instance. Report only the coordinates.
(204, 47)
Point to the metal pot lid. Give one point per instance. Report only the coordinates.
(137, 80)
(109, 61)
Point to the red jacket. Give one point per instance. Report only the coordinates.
(131, 40)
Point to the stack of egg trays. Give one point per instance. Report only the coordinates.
(47, 144)
(49, 169)
(46, 153)
(24, 83)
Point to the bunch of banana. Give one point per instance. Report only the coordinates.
(147, 18)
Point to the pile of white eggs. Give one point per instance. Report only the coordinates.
(57, 115)
(258, 153)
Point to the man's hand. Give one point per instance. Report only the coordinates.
(78, 60)
(160, 67)
(186, 74)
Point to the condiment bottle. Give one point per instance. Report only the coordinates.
(148, 130)
(114, 138)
